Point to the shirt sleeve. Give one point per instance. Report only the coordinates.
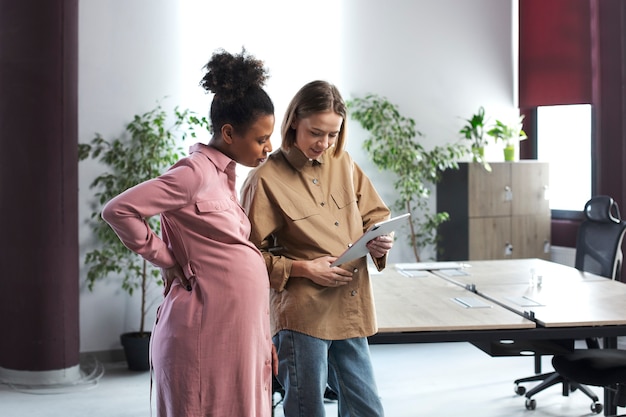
(264, 222)
(127, 212)
(371, 206)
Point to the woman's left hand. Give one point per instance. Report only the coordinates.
(172, 274)
(379, 246)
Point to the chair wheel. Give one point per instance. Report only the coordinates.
(531, 404)
(520, 390)
(596, 408)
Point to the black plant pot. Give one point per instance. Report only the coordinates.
(137, 350)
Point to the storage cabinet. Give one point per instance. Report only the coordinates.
(502, 214)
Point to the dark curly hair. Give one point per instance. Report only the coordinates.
(237, 82)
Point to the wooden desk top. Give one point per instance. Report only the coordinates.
(566, 297)
(427, 303)
(578, 303)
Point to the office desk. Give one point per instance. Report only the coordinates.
(565, 297)
(429, 303)
(421, 309)
(516, 318)
(590, 303)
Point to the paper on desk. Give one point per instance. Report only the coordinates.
(453, 272)
(413, 273)
(471, 302)
(524, 301)
(431, 266)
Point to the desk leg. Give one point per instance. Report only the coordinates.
(610, 409)
(537, 363)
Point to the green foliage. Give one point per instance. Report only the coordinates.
(474, 131)
(147, 147)
(508, 134)
(393, 146)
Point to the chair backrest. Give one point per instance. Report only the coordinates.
(599, 240)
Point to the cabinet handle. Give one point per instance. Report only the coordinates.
(508, 249)
(508, 193)
(546, 192)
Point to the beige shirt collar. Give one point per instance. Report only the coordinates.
(299, 160)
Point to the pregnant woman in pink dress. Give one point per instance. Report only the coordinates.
(211, 347)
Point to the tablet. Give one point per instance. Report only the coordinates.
(358, 248)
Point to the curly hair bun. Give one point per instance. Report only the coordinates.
(230, 76)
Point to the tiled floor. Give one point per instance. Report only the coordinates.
(440, 379)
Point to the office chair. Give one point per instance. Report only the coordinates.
(598, 250)
(599, 367)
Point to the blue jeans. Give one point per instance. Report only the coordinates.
(306, 364)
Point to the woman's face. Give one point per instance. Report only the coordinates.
(317, 132)
(251, 147)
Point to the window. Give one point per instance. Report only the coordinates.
(564, 141)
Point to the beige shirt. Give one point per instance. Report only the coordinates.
(301, 209)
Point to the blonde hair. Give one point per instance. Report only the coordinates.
(314, 97)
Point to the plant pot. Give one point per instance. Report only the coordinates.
(137, 350)
(509, 153)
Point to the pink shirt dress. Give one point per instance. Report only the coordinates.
(211, 347)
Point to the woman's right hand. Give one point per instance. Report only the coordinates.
(170, 275)
(320, 272)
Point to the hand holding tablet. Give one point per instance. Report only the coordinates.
(359, 248)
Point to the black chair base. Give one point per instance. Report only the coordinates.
(552, 378)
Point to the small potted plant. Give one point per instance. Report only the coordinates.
(146, 148)
(509, 134)
(474, 131)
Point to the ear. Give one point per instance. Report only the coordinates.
(227, 133)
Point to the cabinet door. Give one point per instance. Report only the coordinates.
(489, 191)
(531, 236)
(529, 186)
(489, 238)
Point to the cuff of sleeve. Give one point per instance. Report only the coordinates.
(286, 273)
(380, 263)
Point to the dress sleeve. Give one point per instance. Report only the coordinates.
(264, 221)
(127, 212)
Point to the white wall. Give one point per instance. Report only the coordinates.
(128, 59)
(439, 60)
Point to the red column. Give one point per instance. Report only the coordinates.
(39, 329)
(610, 99)
(609, 26)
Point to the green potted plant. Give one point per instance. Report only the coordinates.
(474, 131)
(145, 149)
(509, 134)
(393, 146)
